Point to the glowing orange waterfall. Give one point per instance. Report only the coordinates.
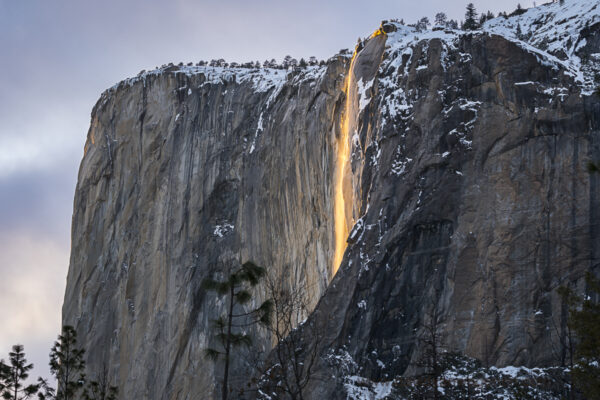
(343, 184)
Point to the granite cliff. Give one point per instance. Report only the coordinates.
(451, 164)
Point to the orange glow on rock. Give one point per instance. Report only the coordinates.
(343, 157)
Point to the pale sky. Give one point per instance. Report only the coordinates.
(57, 56)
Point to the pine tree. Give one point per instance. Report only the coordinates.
(293, 365)
(96, 391)
(431, 358)
(287, 61)
(3, 373)
(519, 32)
(236, 289)
(67, 365)
(422, 24)
(100, 389)
(14, 374)
(470, 23)
(585, 322)
(46, 392)
(440, 19)
(519, 11)
(486, 17)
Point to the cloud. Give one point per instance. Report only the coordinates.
(54, 136)
(31, 265)
(33, 271)
(38, 202)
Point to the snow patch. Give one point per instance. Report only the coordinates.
(359, 388)
(363, 99)
(259, 129)
(222, 230)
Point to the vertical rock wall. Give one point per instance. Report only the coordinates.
(187, 173)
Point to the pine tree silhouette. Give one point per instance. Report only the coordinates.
(235, 288)
(470, 23)
(14, 374)
(67, 365)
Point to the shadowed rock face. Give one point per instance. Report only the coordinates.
(468, 188)
(476, 207)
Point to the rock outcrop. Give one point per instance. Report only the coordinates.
(466, 189)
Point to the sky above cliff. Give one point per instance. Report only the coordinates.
(58, 56)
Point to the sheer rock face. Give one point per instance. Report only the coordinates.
(186, 174)
(468, 175)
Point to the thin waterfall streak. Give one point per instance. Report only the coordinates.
(343, 156)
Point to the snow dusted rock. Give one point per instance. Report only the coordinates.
(476, 204)
(562, 35)
(469, 195)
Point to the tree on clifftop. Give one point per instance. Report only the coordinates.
(422, 24)
(470, 23)
(236, 290)
(441, 19)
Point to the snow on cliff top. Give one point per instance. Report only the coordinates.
(262, 79)
(551, 27)
(552, 32)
